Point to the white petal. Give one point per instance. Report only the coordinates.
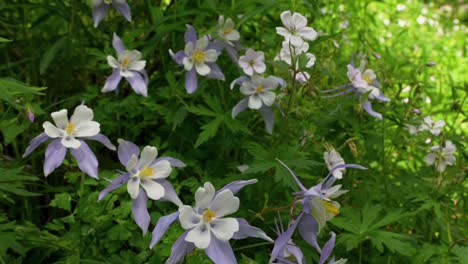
(131, 164)
(87, 129)
(317, 211)
(147, 156)
(247, 88)
(259, 66)
(308, 33)
(439, 124)
(430, 158)
(233, 35)
(126, 73)
(137, 65)
(133, 187)
(296, 41)
(202, 43)
(112, 62)
(162, 169)
(299, 20)
(204, 195)
(200, 236)
(255, 102)
(286, 18)
(224, 203)
(188, 48)
(224, 229)
(188, 63)
(268, 97)
(153, 189)
(202, 69)
(51, 131)
(283, 32)
(82, 113)
(211, 55)
(60, 118)
(450, 159)
(188, 218)
(441, 166)
(71, 142)
(132, 55)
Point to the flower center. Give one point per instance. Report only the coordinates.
(70, 128)
(146, 172)
(330, 207)
(125, 62)
(208, 215)
(367, 79)
(259, 89)
(227, 31)
(199, 57)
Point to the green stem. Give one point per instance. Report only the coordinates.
(251, 246)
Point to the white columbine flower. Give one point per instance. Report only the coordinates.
(441, 156)
(226, 30)
(198, 56)
(434, 127)
(295, 28)
(363, 82)
(128, 61)
(259, 90)
(206, 219)
(81, 124)
(144, 171)
(252, 62)
(333, 158)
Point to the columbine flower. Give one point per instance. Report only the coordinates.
(128, 65)
(227, 31)
(290, 253)
(317, 208)
(441, 156)
(260, 96)
(362, 82)
(332, 159)
(69, 134)
(288, 53)
(252, 62)
(100, 8)
(206, 225)
(434, 127)
(295, 30)
(145, 178)
(198, 57)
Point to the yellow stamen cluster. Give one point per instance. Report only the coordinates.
(208, 215)
(330, 207)
(368, 79)
(199, 57)
(125, 62)
(227, 31)
(259, 89)
(146, 172)
(70, 128)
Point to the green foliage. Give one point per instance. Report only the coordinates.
(398, 211)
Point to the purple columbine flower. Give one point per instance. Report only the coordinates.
(290, 253)
(207, 227)
(69, 134)
(260, 96)
(129, 66)
(317, 208)
(145, 178)
(198, 57)
(363, 81)
(100, 8)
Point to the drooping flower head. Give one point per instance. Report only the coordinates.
(441, 156)
(145, 178)
(70, 134)
(207, 225)
(333, 158)
(259, 96)
(198, 57)
(434, 127)
(362, 82)
(295, 28)
(227, 31)
(101, 7)
(129, 66)
(317, 208)
(253, 62)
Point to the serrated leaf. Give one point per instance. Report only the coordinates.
(209, 130)
(62, 201)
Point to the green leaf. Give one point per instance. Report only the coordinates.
(62, 201)
(4, 40)
(51, 53)
(209, 131)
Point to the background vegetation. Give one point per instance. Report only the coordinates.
(398, 211)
